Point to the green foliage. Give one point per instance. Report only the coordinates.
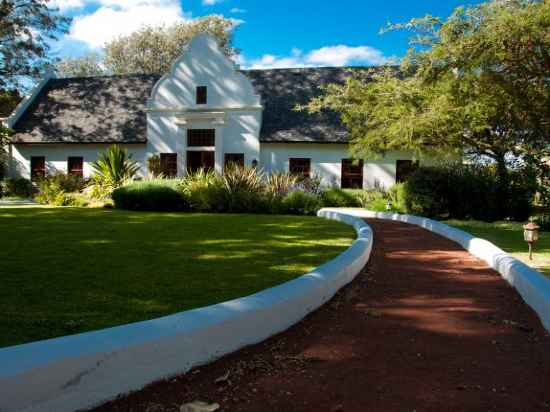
(26, 32)
(18, 187)
(475, 83)
(85, 66)
(56, 189)
(204, 191)
(154, 49)
(336, 197)
(112, 169)
(300, 202)
(154, 165)
(467, 191)
(9, 99)
(243, 189)
(151, 195)
(279, 184)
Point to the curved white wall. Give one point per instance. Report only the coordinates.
(81, 371)
(533, 287)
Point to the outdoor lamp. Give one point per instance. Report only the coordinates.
(531, 235)
(388, 206)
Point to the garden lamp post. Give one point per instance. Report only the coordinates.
(531, 235)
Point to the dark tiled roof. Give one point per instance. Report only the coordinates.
(88, 110)
(112, 109)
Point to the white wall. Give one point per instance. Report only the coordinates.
(57, 154)
(326, 160)
(233, 107)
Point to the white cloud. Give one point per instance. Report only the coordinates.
(237, 10)
(64, 5)
(121, 17)
(211, 2)
(335, 56)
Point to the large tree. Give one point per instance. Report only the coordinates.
(151, 49)
(26, 28)
(475, 83)
(87, 65)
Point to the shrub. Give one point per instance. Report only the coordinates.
(53, 189)
(18, 187)
(243, 189)
(154, 195)
(311, 184)
(300, 202)
(335, 197)
(203, 191)
(154, 165)
(468, 191)
(114, 167)
(280, 184)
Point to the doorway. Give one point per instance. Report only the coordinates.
(200, 160)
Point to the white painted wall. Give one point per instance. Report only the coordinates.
(326, 161)
(57, 154)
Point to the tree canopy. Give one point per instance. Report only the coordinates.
(475, 83)
(150, 49)
(26, 27)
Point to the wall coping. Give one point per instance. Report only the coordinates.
(85, 370)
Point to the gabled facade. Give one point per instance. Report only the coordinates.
(204, 113)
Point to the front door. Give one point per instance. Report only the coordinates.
(200, 160)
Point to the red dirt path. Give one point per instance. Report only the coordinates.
(425, 327)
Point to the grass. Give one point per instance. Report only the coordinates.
(509, 237)
(66, 271)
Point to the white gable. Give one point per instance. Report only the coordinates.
(203, 63)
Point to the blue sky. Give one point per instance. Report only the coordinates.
(280, 33)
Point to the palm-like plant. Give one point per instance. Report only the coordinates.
(280, 184)
(114, 167)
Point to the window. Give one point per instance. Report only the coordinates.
(202, 94)
(404, 169)
(200, 160)
(235, 159)
(352, 174)
(201, 137)
(169, 164)
(299, 166)
(38, 167)
(75, 166)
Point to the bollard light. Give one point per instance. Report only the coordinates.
(531, 235)
(388, 206)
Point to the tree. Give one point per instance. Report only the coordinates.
(154, 49)
(26, 27)
(476, 83)
(84, 66)
(9, 99)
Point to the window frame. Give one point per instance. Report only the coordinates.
(42, 170)
(201, 95)
(347, 177)
(235, 158)
(201, 137)
(412, 165)
(300, 166)
(71, 170)
(169, 164)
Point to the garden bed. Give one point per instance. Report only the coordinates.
(67, 271)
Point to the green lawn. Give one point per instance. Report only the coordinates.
(65, 271)
(509, 237)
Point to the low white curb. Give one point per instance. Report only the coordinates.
(81, 371)
(533, 287)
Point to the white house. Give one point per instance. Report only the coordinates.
(204, 113)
